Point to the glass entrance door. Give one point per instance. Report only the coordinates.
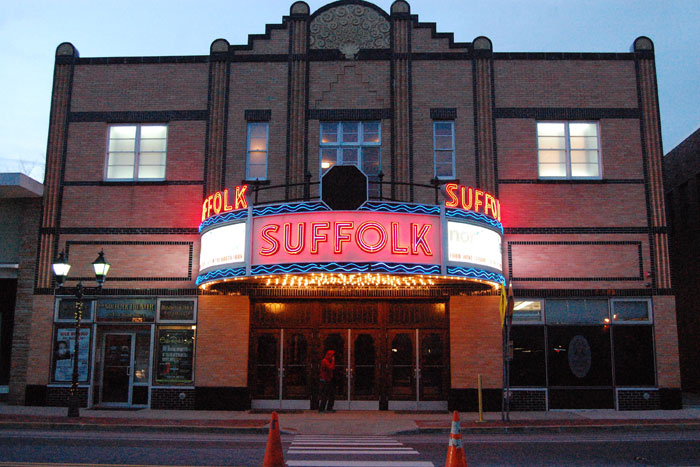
(117, 369)
(280, 376)
(417, 370)
(357, 361)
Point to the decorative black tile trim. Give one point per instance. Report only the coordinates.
(139, 116)
(335, 55)
(131, 292)
(575, 230)
(259, 58)
(258, 115)
(564, 113)
(443, 113)
(605, 181)
(138, 60)
(350, 114)
(123, 242)
(120, 231)
(639, 277)
(441, 56)
(134, 183)
(611, 293)
(563, 56)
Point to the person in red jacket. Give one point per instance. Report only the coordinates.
(327, 398)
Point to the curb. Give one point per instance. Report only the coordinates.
(691, 426)
(144, 428)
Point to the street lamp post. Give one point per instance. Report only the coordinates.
(60, 270)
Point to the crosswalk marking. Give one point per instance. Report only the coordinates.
(305, 449)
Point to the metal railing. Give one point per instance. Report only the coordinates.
(309, 190)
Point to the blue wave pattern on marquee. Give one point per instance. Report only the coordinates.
(475, 216)
(220, 274)
(475, 273)
(226, 217)
(346, 267)
(289, 208)
(403, 208)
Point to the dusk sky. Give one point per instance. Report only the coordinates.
(30, 31)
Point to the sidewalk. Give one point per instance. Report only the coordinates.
(347, 422)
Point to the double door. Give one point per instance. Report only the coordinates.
(398, 369)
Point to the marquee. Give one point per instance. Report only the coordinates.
(459, 240)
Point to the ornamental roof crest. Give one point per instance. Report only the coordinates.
(350, 28)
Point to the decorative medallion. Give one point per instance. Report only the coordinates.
(349, 28)
(579, 356)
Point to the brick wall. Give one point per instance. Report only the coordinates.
(667, 366)
(223, 327)
(565, 83)
(638, 400)
(129, 87)
(475, 342)
(172, 399)
(24, 301)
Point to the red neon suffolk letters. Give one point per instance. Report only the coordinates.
(472, 199)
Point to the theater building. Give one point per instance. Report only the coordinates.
(354, 180)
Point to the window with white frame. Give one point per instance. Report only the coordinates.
(256, 158)
(352, 143)
(444, 149)
(137, 152)
(568, 150)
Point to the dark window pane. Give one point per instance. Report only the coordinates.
(634, 356)
(528, 365)
(579, 356)
(576, 311)
(628, 310)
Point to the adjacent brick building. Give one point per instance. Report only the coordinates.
(207, 182)
(682, 185)
(20, 207)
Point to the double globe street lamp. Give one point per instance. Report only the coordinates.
(60, 271)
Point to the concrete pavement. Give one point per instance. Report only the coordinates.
(348, 422)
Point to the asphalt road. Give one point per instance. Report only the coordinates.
(33, 448)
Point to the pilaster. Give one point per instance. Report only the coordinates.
(215, 156)
(483, 114)
(643, 49)
(402, 157)
(297, 157)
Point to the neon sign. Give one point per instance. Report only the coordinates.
(472, 199)
(346, 236)
(219, 202)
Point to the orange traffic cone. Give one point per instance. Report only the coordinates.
(273, 450)
(455, 450)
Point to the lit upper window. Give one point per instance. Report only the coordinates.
(137, 152)
(256, 159)
(568, 150)
(352, 143)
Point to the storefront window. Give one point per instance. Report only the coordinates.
(527, 311)
(579, 355)
(63, 345)
(175, 356)
(528, 365)
(66, 310)
(635, 311)
(577, 312)
(634, 356)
